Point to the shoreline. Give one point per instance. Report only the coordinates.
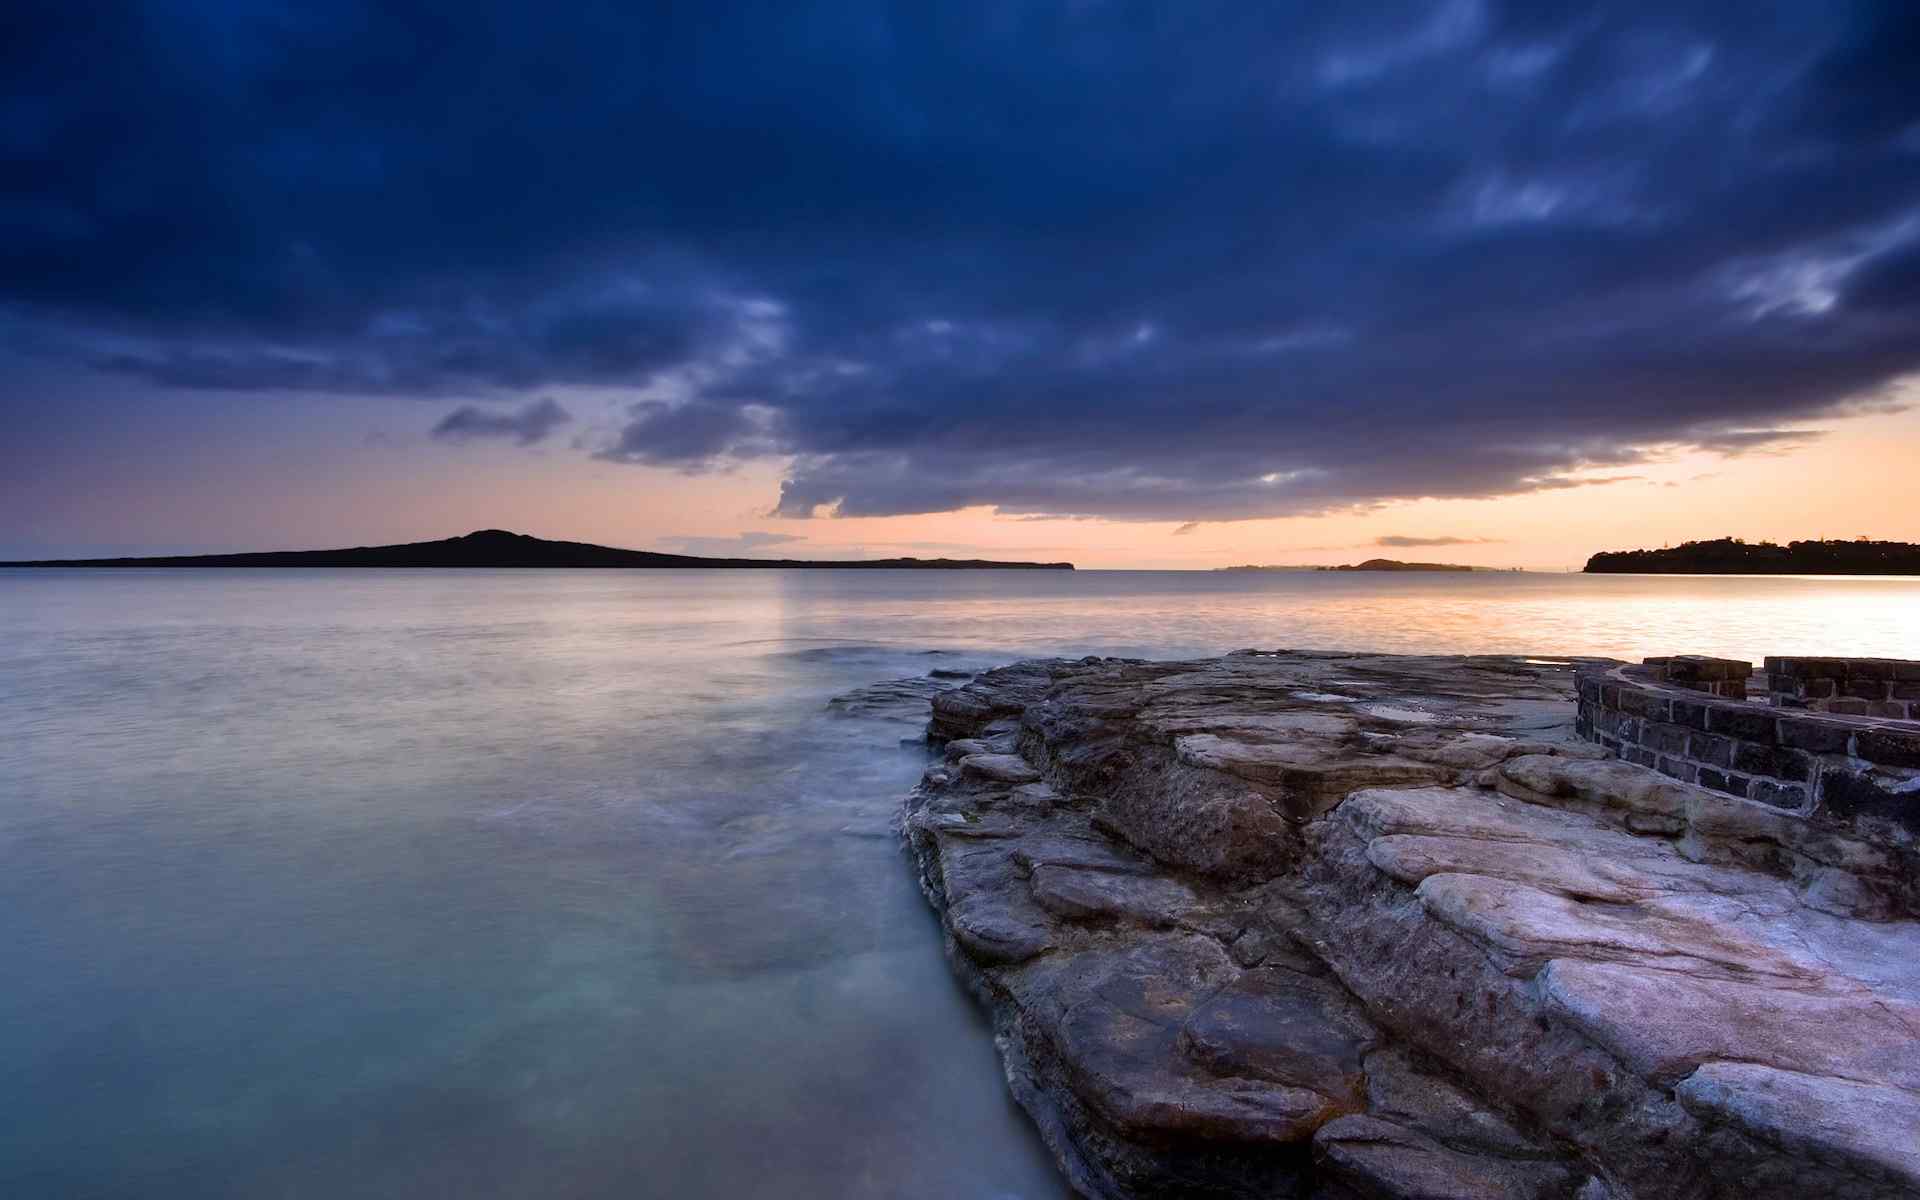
(1341, 925)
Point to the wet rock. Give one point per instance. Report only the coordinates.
(1401, 1092)
(1003, 768)
(1078, 849)
(1118, 1034)
(1284, 1027)
(894, 699)
(1379, 1158)
(1083, 894)
(995, 931)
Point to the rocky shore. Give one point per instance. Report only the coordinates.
(1332, 925)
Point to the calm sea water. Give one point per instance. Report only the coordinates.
(567, 884)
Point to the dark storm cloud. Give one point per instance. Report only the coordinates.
(684, 435)
(525, 425)
(1145, 261)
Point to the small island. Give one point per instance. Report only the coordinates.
(1733, 556)
(1372, 564)
(1394, 564)
(498, 548)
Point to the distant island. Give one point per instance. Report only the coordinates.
(1372, 564)
(1732, 556)
(499, 548)
(1394, 564)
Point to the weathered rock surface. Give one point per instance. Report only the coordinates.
(1339, 926)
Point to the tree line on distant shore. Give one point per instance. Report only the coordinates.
(1732, 556)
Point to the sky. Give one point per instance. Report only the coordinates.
(1133, 285)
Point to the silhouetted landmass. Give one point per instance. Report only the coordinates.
(499, 548)
(1394, 564)
(1731, 556)
(1372, 564)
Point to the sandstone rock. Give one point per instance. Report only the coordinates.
(1310, 778)
(1338, 925)
(1005, 768)
(1118, 1034)
(1858, 1128)
(1400, 1092)
(1082, 894)
(995, 931)
(1379, 1158)
(1078, 850)
(1666, 1025)
(960, 748)
(1277, 1025)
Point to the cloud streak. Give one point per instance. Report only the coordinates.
(747, 544)
(1396, 540)
(524, 426)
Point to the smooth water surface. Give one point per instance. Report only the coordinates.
(567, 884)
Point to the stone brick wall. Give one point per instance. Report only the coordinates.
(1858, 687)
(1845, 768)
(1698, 673)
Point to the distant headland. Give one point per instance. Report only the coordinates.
(498, 548)
(1372, 564)
(1732, 556)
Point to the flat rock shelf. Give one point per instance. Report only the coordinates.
(1342, 925)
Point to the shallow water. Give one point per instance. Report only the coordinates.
(567, 883)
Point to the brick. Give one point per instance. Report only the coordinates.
(1688, 713)
(1814, 668)
(1889, 747)
(1643, 704)
(1888, 708)
(1818, 689)
(1640, 755)
(1667, 739)
(1848, 796)
(1866, 689)
(1710, 749)
(1723, 781)
(1847, 708)
(1906, 691)
(1870, 668)
(1814, 735)
(1779, 795)
(1679, 768)
(1746, 724)
(1610, 695)
(1756, 759)
(1701, 667)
